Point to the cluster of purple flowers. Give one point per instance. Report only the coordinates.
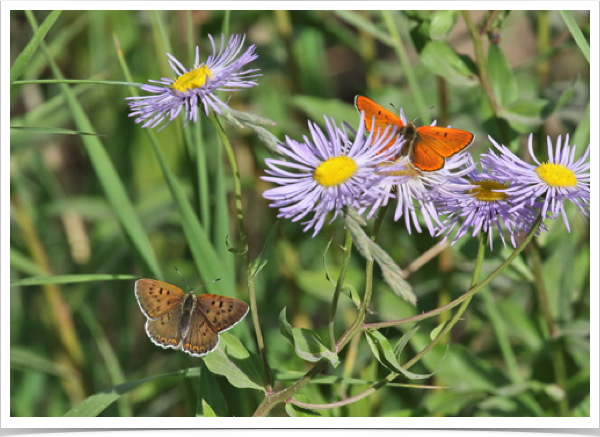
(329, 172)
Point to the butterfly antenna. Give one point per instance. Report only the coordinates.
(212, 282)
(421, 114)
(184, 281)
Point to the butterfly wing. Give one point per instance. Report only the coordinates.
(434, 143)
(201, 338)
(157, 298)
(164, 331)
(222, 312)
(383, 117)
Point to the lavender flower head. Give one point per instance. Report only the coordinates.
(560, 178)
(329, 172)
(482, 202)
(222, 71)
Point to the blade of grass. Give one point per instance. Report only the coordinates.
(95, 404)
(577, 33)
(52, 130)
(108, 176)
(406, 67)
(38, 36)
(108, 355)
(21, 262)
(68, 279)
(22, 359)
(78, 81)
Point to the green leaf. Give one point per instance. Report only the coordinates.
(504, 84)
(206, 410)
(524, 115)
(264, 255)
(350, 291)
(581, 138)
(25, 56)
(68, 279)
(385, 355)
(285, 328)
(95, 404)
(296, 411)
(441, 59)
(19, 261)
(327, 275)
(392, 274)
(404, 341)
(52, 130)
(309, 346)
(24, 359)
(316, 107)
(242, 368)
(365, 25)
(577, 33)
(442, 23)
(211, 402)
(436, 331)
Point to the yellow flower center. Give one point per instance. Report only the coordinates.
(556, 175)
(335, 171)
(192, 79)
(484, 191)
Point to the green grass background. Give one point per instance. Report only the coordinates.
(123, 204)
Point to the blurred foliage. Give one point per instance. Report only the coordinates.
(71, 215)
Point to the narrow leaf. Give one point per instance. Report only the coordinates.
(210, 395)
(436, 331)
(69, 279)
(442, 23)
(309, 347)
(95, 404)
(385, 355)
(441, 59)
(577, 33)
(404, 341)
(264, 255)
(296, 411)
(502, 78)
(25, 56)
(52, 130)
(285, 328)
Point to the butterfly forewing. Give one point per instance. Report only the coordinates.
(164, 331)
(222, 312)
(383, 117)
(201, 338)
(157, 298)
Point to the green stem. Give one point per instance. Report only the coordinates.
(465, 302)
(244, 245)
(357, 324)
(273, 399)
(558, 359)
(338, 288)
(406, 67)
(463, 307)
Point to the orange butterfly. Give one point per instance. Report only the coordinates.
(427, 146)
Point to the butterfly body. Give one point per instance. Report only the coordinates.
(185, 321)
(427, 146)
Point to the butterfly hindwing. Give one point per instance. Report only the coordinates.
(164, 331)
(201, 338)
(222, 312)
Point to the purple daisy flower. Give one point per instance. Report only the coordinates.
(330, 172)
(560, 178)
(483, 202)
(222, 72)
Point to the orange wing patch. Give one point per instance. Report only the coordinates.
(157, 298)
(444, 141)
